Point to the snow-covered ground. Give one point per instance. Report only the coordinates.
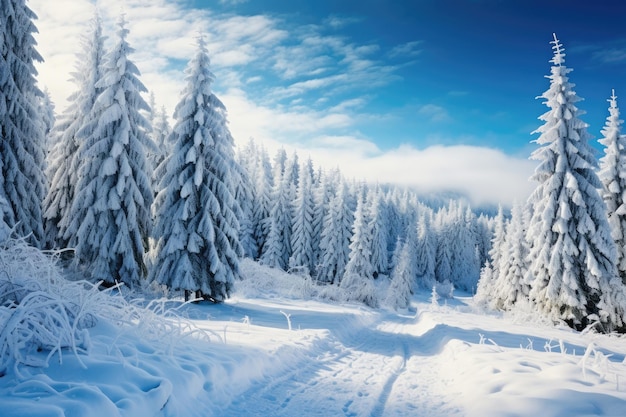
(268, 351)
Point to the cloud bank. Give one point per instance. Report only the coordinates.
(303, 88)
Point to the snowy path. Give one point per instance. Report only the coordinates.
(370, 365)
(337, 360)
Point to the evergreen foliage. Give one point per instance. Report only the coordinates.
(572, 255)
(111, 207)
(23, 184)
(63, 162)
(335, 238)
(613, 176)
(197, 243)
(302, 255)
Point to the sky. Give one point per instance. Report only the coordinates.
(439, 95)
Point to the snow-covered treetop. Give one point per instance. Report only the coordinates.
(613, 124)
(559, 52)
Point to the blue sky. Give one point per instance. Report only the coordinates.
(436, 94)
(466, 71)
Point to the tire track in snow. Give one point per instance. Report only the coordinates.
(379, 409)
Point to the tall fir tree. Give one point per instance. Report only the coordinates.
(335, 237)
(465, 268)
(379, 230)
(22, 140)
(402, 277)
(245, 195)
(62, 170)
(196, 231)
(161, 131)
(491, 271)
(48, 117)
(323, 193)
(302, 255)
(425, 250)
(357, 281)
(573, 272)
(277, 248)
(113, 194)
(443, 257)
(613, 176)
(510, 287)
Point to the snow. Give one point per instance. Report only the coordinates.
(277, 349)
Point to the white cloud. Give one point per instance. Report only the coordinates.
(434, 113)
(485, 175)
(409, 49)
(249, 51)
(337, 22)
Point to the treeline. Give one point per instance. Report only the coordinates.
(348, 233)
(137, 200)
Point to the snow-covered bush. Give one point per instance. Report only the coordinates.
(39, 310)
(42, 314)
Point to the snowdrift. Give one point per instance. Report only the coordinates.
(279, 348)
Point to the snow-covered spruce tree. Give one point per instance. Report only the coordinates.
(443, 257)
(277, 248)
(510, 286)
(379, 229)
(358, 278)
(425, 250)
(111, 207)
(323, 194)
(62, 170)
(196, 231)
(48, 118)
(245, 196)
(573, 271)
(302, 255)
(613, 176)
(484, 235)
(335, 238)
(402, 278)
(161, 131)
(22, 141)
(465, 268)
(488, 276)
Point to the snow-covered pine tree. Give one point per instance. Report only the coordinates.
(292, 173)
(443, 257)
(197, 243)
(263, 183)
(402, 278)
(357, 281)
(613, 176)
(465, 268)
(573, 271)
(335, 238)
(278, 166)
(161, 131)
(48, 117)
(510, 286)
(62, 170)
(379, 229)
(113, 194)
(245, 195)
(486, 282)
(323, 194)
(484, 235)
(22, 141)
(425, 250)
(277, 248)
(302, 255)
